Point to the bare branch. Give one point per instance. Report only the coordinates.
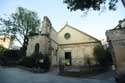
(18, 40)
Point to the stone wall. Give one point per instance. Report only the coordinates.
(79, 44)
(54, 45)
(79, 53)
(76, 36)
(41, 40)
(116, 39)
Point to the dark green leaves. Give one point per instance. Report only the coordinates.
(83, 5)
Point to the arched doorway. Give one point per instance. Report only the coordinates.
(36, 51)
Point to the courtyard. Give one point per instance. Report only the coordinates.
(16, 75)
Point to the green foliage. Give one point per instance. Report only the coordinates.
(108, 57)
(27, 61)
(83, 5)
(39, 56)
(2, 49)
(31, 34)
(103, 57)
(46, 64)
(9, 57)
(20, 24)
(34, 62)
(99, 54)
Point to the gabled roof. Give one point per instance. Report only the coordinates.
(67, 25)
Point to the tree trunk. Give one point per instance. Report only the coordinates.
(25, 43)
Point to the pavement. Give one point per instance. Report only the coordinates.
(16, 75)
(109, 75)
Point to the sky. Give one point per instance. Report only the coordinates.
(94, 23)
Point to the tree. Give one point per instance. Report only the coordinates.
(108, 56)
(21, 24)
(102, 56)
(123, 1)
(83, 5)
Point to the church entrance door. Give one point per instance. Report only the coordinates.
(68, 58)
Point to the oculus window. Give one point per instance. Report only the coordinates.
(67, 36)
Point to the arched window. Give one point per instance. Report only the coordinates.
(37, 48)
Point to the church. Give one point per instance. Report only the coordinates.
(69, 44)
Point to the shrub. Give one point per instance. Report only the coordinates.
(9, 57)
(102, 56)
(15, 54)
(32, 61)
(2, 49)
(108, 57)
(46, 63)
(27, 61)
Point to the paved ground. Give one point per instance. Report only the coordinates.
(16, 75)
(110, 75)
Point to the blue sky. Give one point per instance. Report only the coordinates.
(94, 23)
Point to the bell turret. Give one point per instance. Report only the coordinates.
(46, 25)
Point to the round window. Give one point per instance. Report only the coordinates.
(67, 36)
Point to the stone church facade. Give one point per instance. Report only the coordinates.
(69, 43)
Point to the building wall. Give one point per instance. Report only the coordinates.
(116, 39)
(5, 41)
(47, 41)
(80, 45)
(53, 34)
(79, 53)
(76, 37)
(54, 45)
(41, 40)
